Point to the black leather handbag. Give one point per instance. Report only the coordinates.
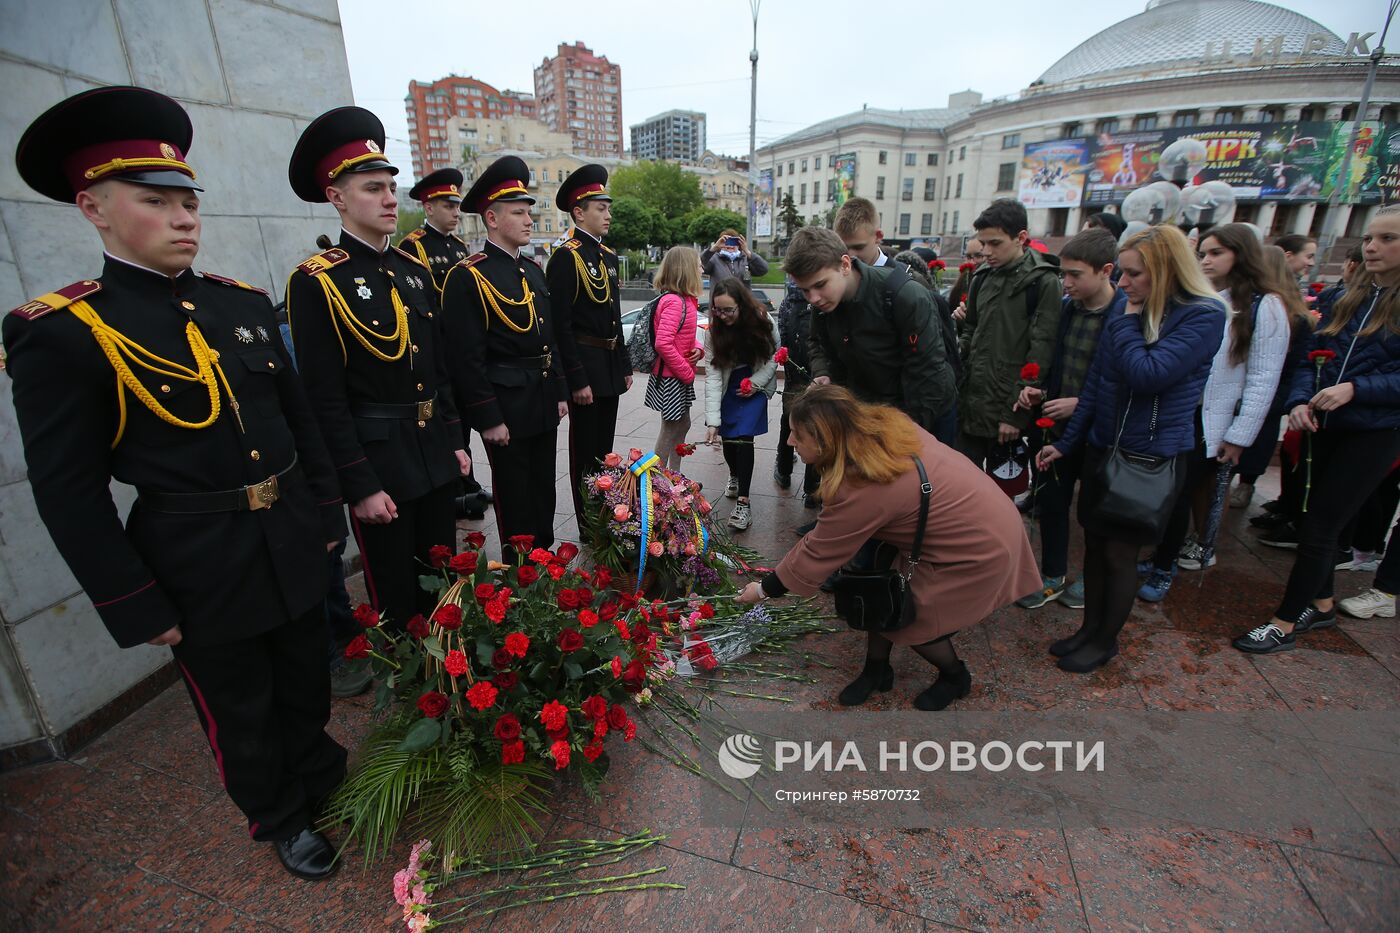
(1137, 489)
(878, 600)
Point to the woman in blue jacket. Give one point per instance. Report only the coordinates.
(1348, 397)
(1145, 382)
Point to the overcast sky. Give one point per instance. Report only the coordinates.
(817, 58)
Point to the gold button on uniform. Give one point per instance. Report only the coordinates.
(255, 455)
(420, 387)
(422, 424)
(165, 388)
(187, 305)
(414, 348)
(271, 365)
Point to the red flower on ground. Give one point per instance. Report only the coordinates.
(366, 616)
(464, 563)
(781, 356)
(592, 750)
(560, 751)
(555, 571)
(621, 625)
(616, 661)
(507, 728)
(495, 609)
(476, 539)
(484, 591)
(359, 647)
(556, 734)
(439, 555)
(517, 643)
(566, 551)
(703, 656)
(634, 677)
(501, 659)
(617, 716)
(540, 556)
(1045, 423)
(745, 386)
(570, 640)
(630, 732)
(522, 543)
(1030, 372)
(449, 617)
(418, 627)
(587, 618)
(600, 728)
(455, 663)
(611, 459)
(512, 753)
(505, 681)
(1321, 356)
(482, 695)
(568, 600)
(595, 707)
(527, 575)
(707, 611)
(433, 704)
(554, 715)
(602, 578)
(608, 611)
(633, 455)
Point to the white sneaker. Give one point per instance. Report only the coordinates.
(1361, 561)
(740, 518)
(1370, 603)
(731, 489)
(1240, 495)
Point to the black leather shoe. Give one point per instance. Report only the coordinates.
(801, 530)
(471, 507)
(784, 480)
(1088, 657)
(946, 689)
(1071, 644)
(485, 496)
(307, 855)
(872, 677)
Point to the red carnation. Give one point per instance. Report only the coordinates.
(560, 751)
(495, 609)
(501, 659)
(540, 556)
(634, 677)
(640, 633)
(685, 450)
(449, 617)
(439, 555)
(781, 356)
(517, 643)
(585, 596)
(570, 640)
(628, 600)
(587, 618)
(630, 732)
(554, 715)
(476, 539)
(968, 267)
(1046, 423)
(1321, 356)
(507, 728)
(522, 543)
(1317, 288)
(595, 707)
(617, 661)
(1030, 372)
(600, 728)
(358, 648)
(745, 386)
(482, 695)
(617, 716)
(527, 575)
(433, 704)
(602, 577)
(512, 753)
(505, 681)
(455, 663)
(566, 551)
(418, 627)
(703, 656)
(707, 611)
(366, 616)
(592, 750)
(937, 264)
(556, 734)
(484, 591)
(464, 563)
(555, 571)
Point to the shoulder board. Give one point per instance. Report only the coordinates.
(413, 237)
(410, 257)
(571, 244)
(323, 261)
(607, 249)
(57, 301)
(224, 280)
(458, 239)
(532, 261)
(472, 260)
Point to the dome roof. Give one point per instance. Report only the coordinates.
(1173, 34)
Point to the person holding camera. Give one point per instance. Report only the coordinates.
(974, 555)
(729, 257)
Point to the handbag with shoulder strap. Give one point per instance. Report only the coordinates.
(878, 600)
(1137, 488)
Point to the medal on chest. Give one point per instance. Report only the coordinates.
(363, 290)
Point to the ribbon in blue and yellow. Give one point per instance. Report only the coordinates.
(641, 469)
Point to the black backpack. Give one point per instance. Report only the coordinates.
(894, 282)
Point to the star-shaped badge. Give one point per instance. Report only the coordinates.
(363, 291)
(243, 334)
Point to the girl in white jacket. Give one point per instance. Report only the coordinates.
(740, 376)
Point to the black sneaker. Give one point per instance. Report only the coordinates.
(1269, 521)
(784, 480)
(811, 502)
(1273, 507)
(1284, 537)
(801, 530)
(1266, 639)
(1312, 618)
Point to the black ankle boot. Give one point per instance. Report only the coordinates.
(1071, 644)
(950, 686)
(1089, 657)
(876, 675)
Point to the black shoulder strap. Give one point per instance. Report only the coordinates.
(893, 283)
(973, 288)
(925, 491)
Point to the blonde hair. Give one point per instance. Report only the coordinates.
(865, 444)
(1174, 271)
(679, 272)
(854, 214)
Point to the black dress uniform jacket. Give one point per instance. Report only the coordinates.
(578, 314)
(499, 374)
(405, 458)
(221, 576)
(436, 250)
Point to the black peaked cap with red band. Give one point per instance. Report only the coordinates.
(506, 179)
(130, 133)
(586, 183)
(338, 142)
(444, 183)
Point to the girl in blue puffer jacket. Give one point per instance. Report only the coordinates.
(1348, 397)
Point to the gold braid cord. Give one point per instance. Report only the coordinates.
(491, 298)
(118, 348)
(340, 311)
(589, 283)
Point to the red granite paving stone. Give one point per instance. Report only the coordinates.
(1187, 879)
(1193, 672)
(1020, 660)
(37, 872)
(972, 879)
(1308, 678)
(166, 738)
(1378, 638)
(1351, 894)
(717, 896)
(127, 898)
(1372, 795)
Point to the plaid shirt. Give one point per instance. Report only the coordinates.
(1079, 339)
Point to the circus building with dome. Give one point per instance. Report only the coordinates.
(1248, 100)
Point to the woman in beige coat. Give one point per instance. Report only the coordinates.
(975, 556)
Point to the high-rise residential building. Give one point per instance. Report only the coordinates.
(674, 136)
(431, 104)
(580, 93)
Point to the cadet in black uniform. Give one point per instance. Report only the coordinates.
(176, 383)
(368, 337)
(501, 349)
(439, 248)
(583, 290)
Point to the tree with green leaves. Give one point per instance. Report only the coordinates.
(662, 186)
(635, 225)
(789, 218)
(410, 219)
(705, 225)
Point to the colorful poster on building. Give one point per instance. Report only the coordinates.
(1366, 160)
(1383, 183)
(1052, 173)
(763, 204)
(1120, 162)
(843, 186)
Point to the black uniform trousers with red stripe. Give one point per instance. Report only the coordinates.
(396, 554)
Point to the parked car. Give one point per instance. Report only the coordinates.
(629, 318)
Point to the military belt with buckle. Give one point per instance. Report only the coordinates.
(587, 341)
(396, 411)
(253, 498)
(542, 362)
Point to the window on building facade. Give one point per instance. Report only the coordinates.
(1108, 126)
(804, 165)
(880, 188)
(816, 162)
(933, 158)
(1226, 117)
(962, 153)
(906, 192)
(816, 191)
(959, 189)
(1069, 131)
(903, 224)
(1270, 115)
(789, 192)
(945, 220)
(780, 170)
(802, 193)
(956, 226)
(911, 158)
(1011, 140)
(925, 224)
(930, 188)
(947, 188)
(1145, 121)
(884, 157)
(792, 168)
(1184, 119)
(1006, 176)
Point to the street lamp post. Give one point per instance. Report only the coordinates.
(753, 117)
